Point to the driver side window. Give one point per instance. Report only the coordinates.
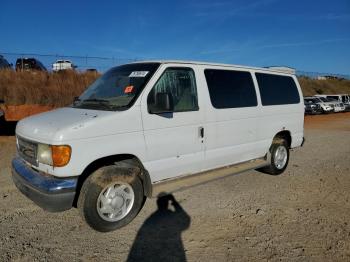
(180, 84)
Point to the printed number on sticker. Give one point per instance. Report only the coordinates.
(138, 74)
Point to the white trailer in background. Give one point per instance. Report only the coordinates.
(60, 65)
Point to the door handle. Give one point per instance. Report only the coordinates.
(201, 132)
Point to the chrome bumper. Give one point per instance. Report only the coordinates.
(50, 193)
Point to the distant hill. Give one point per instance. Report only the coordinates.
(330, 86)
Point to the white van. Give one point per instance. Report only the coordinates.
(343, 99)
(335, 101)
(326, 106)
(151, 128)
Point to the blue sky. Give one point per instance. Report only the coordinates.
(308, 35)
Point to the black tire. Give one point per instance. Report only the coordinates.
(96, 183)
(272, 168)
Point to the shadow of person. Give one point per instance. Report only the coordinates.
(159, 238)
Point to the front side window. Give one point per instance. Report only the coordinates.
(118, 88)
(180, 84)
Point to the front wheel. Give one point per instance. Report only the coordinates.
(111, 197)
(279, 151)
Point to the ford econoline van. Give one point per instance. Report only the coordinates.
(151, 128)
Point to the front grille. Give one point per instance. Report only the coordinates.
(27, 150)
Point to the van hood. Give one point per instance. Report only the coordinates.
(66, 124)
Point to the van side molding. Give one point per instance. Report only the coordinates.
(168, 186)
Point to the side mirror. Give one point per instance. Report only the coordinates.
(163, 103)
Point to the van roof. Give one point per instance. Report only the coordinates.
(215, 64)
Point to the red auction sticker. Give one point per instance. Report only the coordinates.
(128, 89)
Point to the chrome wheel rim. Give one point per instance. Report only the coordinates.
(280, 157)
(115, 201)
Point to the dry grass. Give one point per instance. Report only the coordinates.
(59, 89)
(312, 87)
(56, 89)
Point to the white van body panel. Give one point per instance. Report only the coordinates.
(172, 140)
(167, 146)
(230, 134)
(91, 134)
(276, 118)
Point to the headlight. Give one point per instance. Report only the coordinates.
(56, 156)
(44, 154)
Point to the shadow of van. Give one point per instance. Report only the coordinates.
(159, 238)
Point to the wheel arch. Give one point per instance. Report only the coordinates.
(126, 159)
(286, 135)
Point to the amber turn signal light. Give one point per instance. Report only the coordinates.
(60, 155)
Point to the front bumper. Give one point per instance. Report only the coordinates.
(50, 193)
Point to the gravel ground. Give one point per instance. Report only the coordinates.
(301, 215)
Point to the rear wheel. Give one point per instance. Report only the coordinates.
(279, 151)
(111, 197)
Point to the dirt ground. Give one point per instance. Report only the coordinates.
(301, 215)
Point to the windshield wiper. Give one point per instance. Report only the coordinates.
(97, 100)
(96, 103)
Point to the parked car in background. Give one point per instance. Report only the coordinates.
(1, 112)
(4, 64)
(26, 64)
(341, 98)
(337, 105)
(325, 106)
(60, 65)
(312, 107)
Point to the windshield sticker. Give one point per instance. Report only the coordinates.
(138, 74)
(128, 89)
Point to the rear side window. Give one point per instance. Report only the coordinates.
(277, 90)
(230, 89)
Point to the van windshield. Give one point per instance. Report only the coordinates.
(118, 88)
(323, 99)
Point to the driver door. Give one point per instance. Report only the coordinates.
(174, 145)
